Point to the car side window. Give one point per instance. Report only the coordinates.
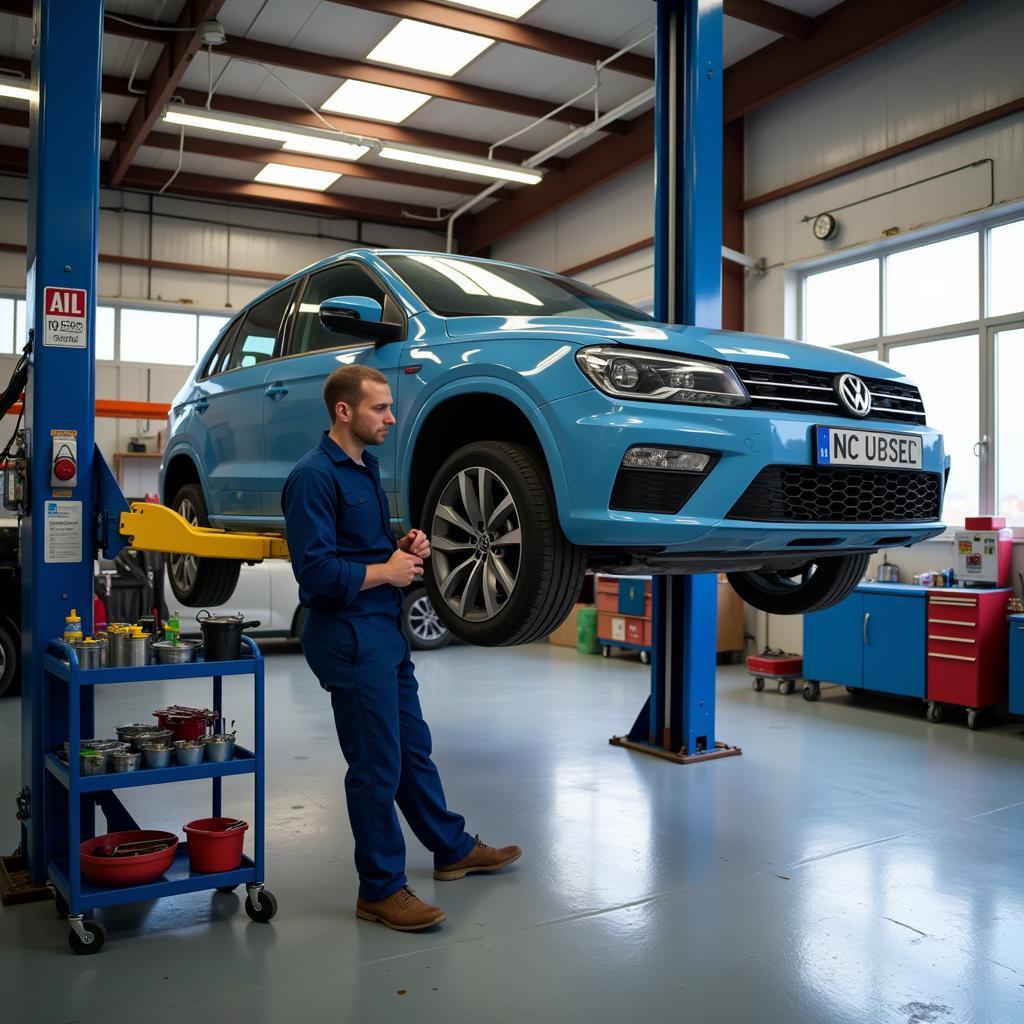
(257, 334)
(309, 334)
(219, 357)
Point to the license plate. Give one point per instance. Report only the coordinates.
(839, 446)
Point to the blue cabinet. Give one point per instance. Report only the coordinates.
(1017, 664)
(874, 640)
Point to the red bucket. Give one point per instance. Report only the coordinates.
(213, 845)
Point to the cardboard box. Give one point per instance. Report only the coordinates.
(565, 635)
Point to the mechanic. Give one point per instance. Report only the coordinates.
(350, 573)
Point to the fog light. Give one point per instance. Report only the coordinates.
(673, 459)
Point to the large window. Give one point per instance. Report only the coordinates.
(950, 314)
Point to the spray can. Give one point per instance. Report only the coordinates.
(72, 627)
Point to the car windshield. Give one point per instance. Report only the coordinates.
(453, 286)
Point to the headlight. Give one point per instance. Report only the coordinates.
(653, 377)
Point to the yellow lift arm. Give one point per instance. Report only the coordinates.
(150, 527)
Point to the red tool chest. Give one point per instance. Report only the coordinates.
(967, 647)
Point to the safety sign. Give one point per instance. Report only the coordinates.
(63, 533)
(65, 322)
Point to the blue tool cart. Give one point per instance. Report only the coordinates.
(1016, 702)
(71, 796)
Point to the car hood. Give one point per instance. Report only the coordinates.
(700, 342)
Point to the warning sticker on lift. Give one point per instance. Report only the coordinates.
(65, 323)
(63, 534)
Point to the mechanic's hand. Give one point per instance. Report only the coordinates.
(403, 568)
(416, 543)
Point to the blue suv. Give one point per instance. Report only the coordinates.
(545, 427)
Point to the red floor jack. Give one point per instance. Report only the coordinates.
(775, 664)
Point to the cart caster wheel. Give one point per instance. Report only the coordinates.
(226, 888)
(62, 905)
(934, 712)
(786, 687)
(267, 909)
(645, 657)
(972, 718)
(97, 936)
(758, 684)
(606, 652)
(812, 691)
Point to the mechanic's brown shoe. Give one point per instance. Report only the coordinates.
(480, 859)
(403, 910)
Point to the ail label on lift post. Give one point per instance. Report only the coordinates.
(64, 318)
(63, 534)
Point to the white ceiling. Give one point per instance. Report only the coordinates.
(324, 27)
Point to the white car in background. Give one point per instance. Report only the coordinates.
(268, 593)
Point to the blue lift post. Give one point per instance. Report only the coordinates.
(677, 721)
(59, 527)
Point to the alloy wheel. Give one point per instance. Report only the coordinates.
(423, 622)
(476, 544)
(184, 567)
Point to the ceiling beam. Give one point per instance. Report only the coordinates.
(585, 171)
(231, 189)
(171, 66)
(249, 153)
(772, 17)
(840, 35)
(516, 33)
(445, 89)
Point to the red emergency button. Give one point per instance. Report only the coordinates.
(64, 467)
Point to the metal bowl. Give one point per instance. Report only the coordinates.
(126, 732)
(176, 652)
(157, 755)
(220, 746)
(95, 763)
(125, 761)
(165, 737)
(189, 751)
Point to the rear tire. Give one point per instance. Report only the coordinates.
(812, 587)
(9, 658)
(516, 579)
(199, 582)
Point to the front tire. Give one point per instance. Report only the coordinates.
(199, 582)
(501, 571)
(811, 587)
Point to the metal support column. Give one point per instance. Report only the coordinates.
(58, 530)
(678, 720)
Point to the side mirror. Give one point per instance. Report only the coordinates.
(359, 315)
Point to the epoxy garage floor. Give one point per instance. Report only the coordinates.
(854, 865)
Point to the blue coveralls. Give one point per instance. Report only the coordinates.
(337, 522)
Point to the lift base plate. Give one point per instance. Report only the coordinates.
(676, 757)
(15, 886)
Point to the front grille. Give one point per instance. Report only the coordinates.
(788, 390)
(652, 490)
(833, 494)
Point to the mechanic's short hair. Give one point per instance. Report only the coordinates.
(346, 385)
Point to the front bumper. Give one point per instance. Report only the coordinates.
(593, 432)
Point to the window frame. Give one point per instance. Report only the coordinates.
(300, 294)
(985, 327)
(234, 328)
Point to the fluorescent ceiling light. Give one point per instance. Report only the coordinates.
(296, 177)
(464, 165)
(379, 102)
(510, 8)
(17, 92)
(297, 139)
(441, 51)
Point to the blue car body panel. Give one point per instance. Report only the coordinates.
(258, 421)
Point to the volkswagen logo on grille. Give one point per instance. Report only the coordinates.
(853, 393)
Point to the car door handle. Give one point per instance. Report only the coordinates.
(867, 619)
(276, 392)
